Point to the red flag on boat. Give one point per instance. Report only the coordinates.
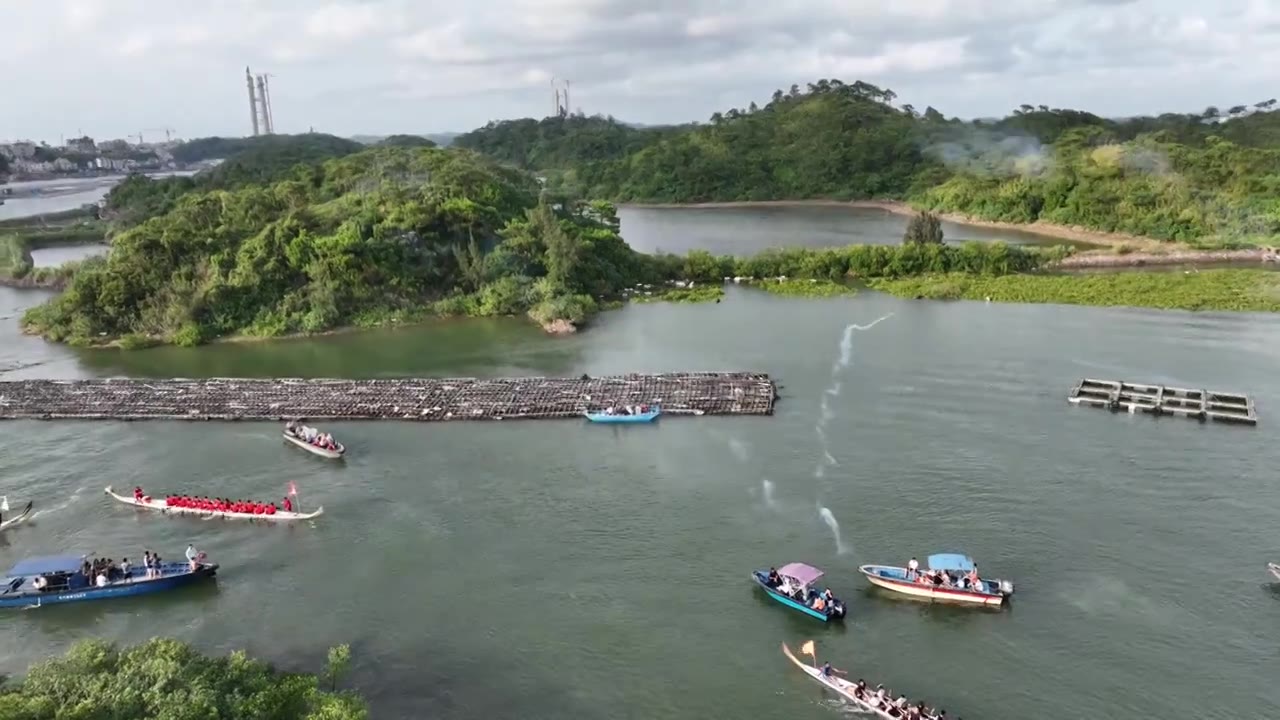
(293, 489)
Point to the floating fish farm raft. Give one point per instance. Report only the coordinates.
(704, 393)
(1201, 405)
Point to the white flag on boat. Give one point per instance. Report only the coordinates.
(807, 649)
(4, 504)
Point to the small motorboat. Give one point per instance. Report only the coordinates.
(796, 591)
(298, 434)
(640, 414)
(151, 503)
(1275, 569)
(866, 699)
(61, 579)
(16, 518)
(945, 580)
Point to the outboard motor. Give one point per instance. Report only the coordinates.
(1006, 588)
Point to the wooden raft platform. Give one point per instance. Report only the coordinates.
(1201, 405)
(704, 393)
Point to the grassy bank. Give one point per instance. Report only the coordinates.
(810, 288)
(17, 269)
(1237, 290)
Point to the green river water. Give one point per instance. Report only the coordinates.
(561, 570)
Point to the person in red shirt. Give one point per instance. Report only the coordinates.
(137, 493)
(288, 505)
(271, 509)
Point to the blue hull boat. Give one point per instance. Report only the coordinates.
(55, 580)
(602, 417)
(796, 591)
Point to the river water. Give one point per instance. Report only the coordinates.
(557, 570)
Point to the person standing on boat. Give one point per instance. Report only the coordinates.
(913, 569)
(191, 556)
(288, 504)
(827, 670)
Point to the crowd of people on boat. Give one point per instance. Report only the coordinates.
(208, 504)
(882, 699)
(823, 602)
(943, 578)
(310, 435)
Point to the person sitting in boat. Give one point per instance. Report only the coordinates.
(40, 583)
(972, 577)
(137, 493)
(774, 580)
(860, 689)
(819, 604)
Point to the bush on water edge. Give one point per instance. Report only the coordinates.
(804, 288)
(1237, 290)
(165, 678)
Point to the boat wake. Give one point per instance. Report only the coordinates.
(843, 359)
(830, 519)
(41, 512)
(766, 492)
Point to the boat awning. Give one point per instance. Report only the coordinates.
(804, 574)
(47, 564)
(950, 561)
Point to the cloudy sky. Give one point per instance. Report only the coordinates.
(111, 67)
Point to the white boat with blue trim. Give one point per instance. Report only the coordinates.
(878, 701)
(949, 577)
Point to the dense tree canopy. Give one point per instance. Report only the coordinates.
(168, 679)
(406, 141)
(356, 240)
(1203, 176)
(213, 148)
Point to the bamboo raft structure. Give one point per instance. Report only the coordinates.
(418, 399)
(1201, 405)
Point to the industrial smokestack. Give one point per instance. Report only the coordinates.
(262, 104)
(566, 98)
(266, 104)
(253, 103)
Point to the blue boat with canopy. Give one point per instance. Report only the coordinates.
(57, 579)
(949, 577)
(632, 414)
(792, 585)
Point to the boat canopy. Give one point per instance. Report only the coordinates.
(47, 564)
(804, 574)
(951, 561)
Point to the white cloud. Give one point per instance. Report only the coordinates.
(352, 66)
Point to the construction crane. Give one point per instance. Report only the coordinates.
(168, 133)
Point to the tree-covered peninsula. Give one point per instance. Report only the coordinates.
(1210, 177)
(383, 235)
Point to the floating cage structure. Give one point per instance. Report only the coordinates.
(702, 393)
(1202, 405)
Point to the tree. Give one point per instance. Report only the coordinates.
(924, 228)
(338, 662)
(165, 678)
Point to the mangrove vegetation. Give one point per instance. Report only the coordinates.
(165, 678)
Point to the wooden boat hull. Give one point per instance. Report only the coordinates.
(1275, 569)
(316, 449)
(837, 685)
(22, 515)
(894, 579)
(175, 576)
(158, 505)
(624, 419)
(761, 580)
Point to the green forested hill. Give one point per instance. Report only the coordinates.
(378, 235)
(1209, 176)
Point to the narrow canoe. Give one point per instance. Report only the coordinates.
(1275, 569)
(316, 449)
(838, 685)
(600, 417)
(279, 516)
(23, 515)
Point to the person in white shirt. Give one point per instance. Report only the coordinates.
(913, 568)
(102, 580)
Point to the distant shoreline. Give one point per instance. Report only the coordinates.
(1114, 249)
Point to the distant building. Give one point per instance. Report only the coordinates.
(82, 145)
(19, 150)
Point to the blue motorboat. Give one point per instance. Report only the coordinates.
(63, 578)
(792, 585)
(641, 414)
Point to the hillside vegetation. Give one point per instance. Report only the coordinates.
(1211, 177)
(383, 235)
